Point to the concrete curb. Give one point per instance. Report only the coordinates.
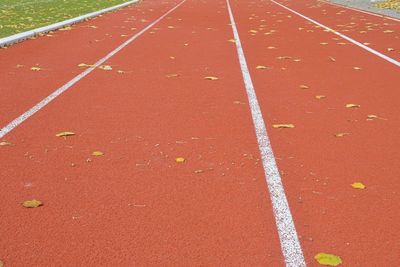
(19, 37)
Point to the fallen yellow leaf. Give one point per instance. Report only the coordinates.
(180, 160)
(97, 153)
(82, 65)
(357, 68)
(211, 78)
(328, 259)
(323, 43)
(62, 134)
(232, 40)
(352, 106)
(304, 86)
(253, 31)
(36, 69)
(260, 67)
(388, 31)
(358, 185)
(320, 96)
(282, 126)
(32, 203)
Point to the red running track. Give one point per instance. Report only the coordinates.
(136, 206)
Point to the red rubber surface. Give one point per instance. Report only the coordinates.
(136, 206)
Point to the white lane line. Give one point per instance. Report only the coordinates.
(289, 241)
(359, 10)
(391, 60)
(19, 37)
(9, 127)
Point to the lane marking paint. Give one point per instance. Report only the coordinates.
(289, 240)
(9, 127)
(391, 60)
(19, 37)
(359, 10)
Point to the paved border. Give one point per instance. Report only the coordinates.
(369, 12)
(19, 37)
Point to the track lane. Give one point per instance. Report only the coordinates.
(136, 205)
(316, 167)
(60, 55)
(378, 33)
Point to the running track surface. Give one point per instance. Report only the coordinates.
(136, 206)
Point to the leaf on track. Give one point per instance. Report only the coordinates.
(172, 75)
(328, 259)
(180, 160)
(358, 185)
(253, 31)
(304, 86)
(261, 67)
(36, 69)
(352, 106)
(5, 143)
(282, 126)
(211, 78)
(341, 134)
(84, 65)
(271, 47)
(32, 203)
(105, 67)
(232, 40)
(97, 153)
(323, 43)
(320, 96)
(357, 68)
(65, 134)
(390, 49)
(388, 31)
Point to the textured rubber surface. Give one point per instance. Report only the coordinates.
(136, 205)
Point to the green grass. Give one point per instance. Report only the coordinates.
(22, 15)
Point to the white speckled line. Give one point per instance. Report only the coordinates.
(289, 241)
(389, 59)
(25, 35)
(9, 127)
(359, 10)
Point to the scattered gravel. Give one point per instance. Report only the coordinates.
(368, 5)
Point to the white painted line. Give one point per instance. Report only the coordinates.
(9, 127)
(290, 244)
(391, 60)
(25, 35)
(360, 10)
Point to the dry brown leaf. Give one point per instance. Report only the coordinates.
(261, 67)
(282, 126)
(64, 134)
(211, 78)
(105, 67)
(352, 106)
(5, 143)
(341, 134)
(32, 203)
